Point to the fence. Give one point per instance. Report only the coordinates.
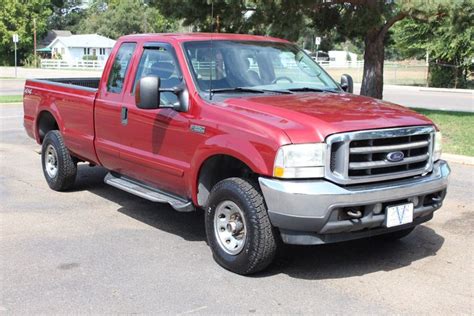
(394, 72)
(76, 64)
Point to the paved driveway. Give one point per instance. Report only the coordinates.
(99, 250)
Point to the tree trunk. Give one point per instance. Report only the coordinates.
(374, 55)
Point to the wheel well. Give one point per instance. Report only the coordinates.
(217, 168)
(46, 123)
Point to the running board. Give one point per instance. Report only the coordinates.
(148, 192)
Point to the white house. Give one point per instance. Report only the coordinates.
(75, 47)
(341, 57)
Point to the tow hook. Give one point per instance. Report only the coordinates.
(353, 213)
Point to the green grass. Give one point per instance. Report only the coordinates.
(457, 129)
(11, 98)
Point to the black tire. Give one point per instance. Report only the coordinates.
(260, 245)
(66, 172)
(396, 235)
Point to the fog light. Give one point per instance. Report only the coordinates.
(377, 208)
(415, 200)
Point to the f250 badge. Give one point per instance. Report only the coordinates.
(28, 91)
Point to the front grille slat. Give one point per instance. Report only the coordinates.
(363, 156)
(384, 163)
(378, 149)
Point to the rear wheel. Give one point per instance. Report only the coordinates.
(59, 168)
(238, 229)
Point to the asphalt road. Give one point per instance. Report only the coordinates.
(428, 98)
(99, 250)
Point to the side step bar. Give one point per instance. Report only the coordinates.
(148, 192)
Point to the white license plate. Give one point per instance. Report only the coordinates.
(399, 214)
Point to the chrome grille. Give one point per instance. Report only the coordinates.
(358, 157)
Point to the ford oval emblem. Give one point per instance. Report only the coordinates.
(395, 156)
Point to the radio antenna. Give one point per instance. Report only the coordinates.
(212, 51)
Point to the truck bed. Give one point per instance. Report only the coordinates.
(70, 101)
(92, 83)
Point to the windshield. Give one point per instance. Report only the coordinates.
(265, 66)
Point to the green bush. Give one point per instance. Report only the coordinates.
(29, 61)
(89, 57)
(446, 76)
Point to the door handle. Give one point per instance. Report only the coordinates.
(124, 115)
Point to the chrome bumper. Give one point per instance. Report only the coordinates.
(314, 205)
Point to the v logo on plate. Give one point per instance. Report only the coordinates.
(400, 217)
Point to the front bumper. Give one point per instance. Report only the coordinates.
(312, 211)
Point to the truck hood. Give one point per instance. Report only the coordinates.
(311, 117)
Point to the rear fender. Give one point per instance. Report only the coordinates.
(53, 110)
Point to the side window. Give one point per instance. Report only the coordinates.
(119, 68)
(159, 62)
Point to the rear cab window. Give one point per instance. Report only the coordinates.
(119, 68)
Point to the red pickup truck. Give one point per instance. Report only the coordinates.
(248, 129)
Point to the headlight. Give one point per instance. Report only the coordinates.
(300, 161)
(437, 146)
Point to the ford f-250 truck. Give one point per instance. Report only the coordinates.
(248, 129)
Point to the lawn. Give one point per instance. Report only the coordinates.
(11, 98)
(457, 129)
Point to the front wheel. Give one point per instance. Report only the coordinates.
(238, 229)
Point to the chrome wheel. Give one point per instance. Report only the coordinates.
(51, 161)
(229, 227)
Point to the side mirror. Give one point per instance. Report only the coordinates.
(147, 93)
(347, 84)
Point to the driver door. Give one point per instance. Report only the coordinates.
(154, 150)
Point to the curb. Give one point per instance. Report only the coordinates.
(465, 160)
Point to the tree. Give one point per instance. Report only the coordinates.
(116, 18)
(447, 38)
(17, 17)
(66, 14)
(368, 21)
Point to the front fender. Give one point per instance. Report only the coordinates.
(258, 157)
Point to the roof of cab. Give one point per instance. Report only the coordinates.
(186, 37)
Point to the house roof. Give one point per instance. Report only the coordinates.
(84, 40)
(51, 36)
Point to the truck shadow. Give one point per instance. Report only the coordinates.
(190, 226)
(355, 258)
(331, 261)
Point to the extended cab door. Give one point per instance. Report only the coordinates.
(110, 114)
(155, 141)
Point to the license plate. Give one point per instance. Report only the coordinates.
(399, 214)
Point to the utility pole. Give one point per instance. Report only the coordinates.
(15, 40)
(34, 41)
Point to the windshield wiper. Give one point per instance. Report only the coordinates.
(308, 89)
(251, 90)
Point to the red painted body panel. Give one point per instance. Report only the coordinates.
(158, 146)
(311, 117)
(73, 110)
